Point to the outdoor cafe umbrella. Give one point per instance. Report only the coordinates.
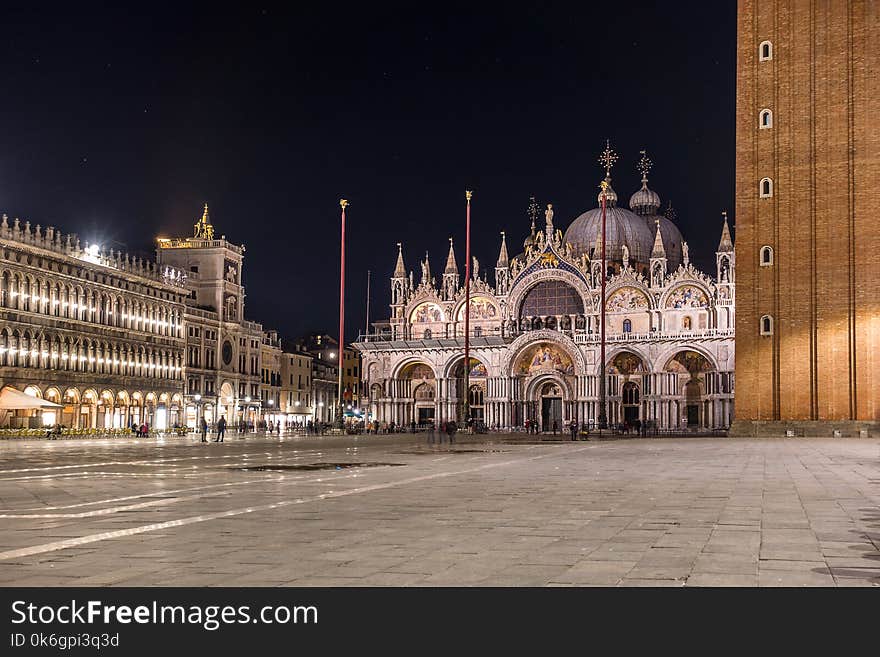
(13, 400)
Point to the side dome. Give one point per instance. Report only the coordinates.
(644, 201)
(622, 227)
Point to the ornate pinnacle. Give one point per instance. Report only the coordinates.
(533, 211)
(468, 195)
(343, 203)
(644, 166)
(608, 158)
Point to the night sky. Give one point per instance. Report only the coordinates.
(118, 124)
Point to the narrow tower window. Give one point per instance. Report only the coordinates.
(766, 188)
(766, 256)
(765, 51)
(766, 325)
(766, 120)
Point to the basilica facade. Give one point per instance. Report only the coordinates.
(535, 333)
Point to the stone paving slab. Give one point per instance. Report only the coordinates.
(488, 511)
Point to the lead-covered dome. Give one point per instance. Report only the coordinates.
(645, 200)
(622, 227)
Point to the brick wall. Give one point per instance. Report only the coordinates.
(823, 221)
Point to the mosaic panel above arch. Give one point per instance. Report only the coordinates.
(687, 296)
(481, 308)
(544, 357)
(426, 312)
(688, 362)
(417, 371)
(477, 370)
(626, 298)
(626, 363)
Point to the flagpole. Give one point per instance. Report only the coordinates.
(467, 309)
(341, 357)
(603, 416)
(367, 326)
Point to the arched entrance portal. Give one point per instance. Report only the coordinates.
(551, 407)
(626, 373)
(630, 403)
(476, 389)
(691, 370)
(225, 406)
(418, 386)
(546, 370)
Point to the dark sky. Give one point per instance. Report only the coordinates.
(118, 124)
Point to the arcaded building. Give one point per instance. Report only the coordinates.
(96, 331)
(807, 203)
(535, 330)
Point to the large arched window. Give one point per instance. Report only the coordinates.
(630, 394)
(551, 298)
(627, 326)
(475, 398)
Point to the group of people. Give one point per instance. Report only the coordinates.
(140, 431)
(220, 427)
(449, 428)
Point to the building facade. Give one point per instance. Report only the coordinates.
(270, 378)
(296, 387)
(324, 351)
(97, 331)
(535, 333)
(223, 375)
(807, 175)
(351, 381)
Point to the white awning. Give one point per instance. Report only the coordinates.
(12, 399)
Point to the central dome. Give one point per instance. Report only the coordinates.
(622, 227)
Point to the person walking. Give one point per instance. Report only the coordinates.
(555, 427)
(221, 429)
(451, 428)
(204, 427)
(574, 429)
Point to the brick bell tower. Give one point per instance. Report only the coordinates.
(807, 203)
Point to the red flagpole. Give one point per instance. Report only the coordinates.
(603, 416)
(467, 309)
(339, 361)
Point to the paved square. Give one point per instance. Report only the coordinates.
(487, 511)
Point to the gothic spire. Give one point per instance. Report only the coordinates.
(399, 270)
(502, 255)
(726, 244)
(658, 251)
(426, 270)
(451, 267)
